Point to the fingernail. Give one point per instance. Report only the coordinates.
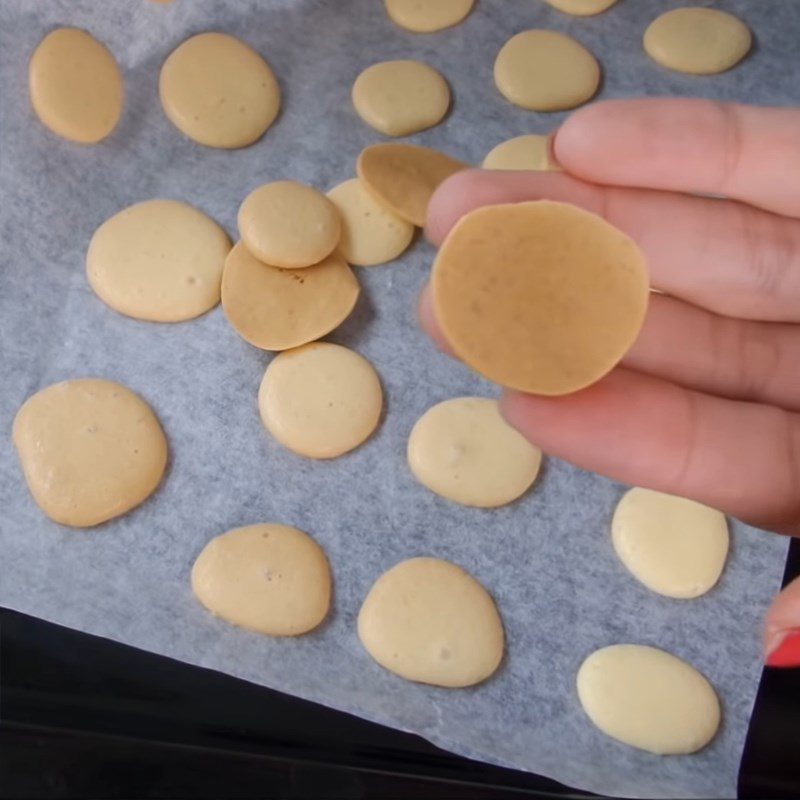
(550, 145)
(783, 650)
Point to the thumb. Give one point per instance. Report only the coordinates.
(782, 628)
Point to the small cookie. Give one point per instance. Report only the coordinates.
(529, 152)
(159, 260)
(218, 91)
(371, 234)
(268, 578)
(287, 224)
(90, 450)
(542, 297)
(75, 86)
(463, 450)
(275, 309)
(429, 621)
(649, 699)
(581, 8)
(546, 71)
(401, 97)
(427, 16)
(403, 177)
(321, 400)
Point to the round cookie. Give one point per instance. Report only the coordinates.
(90, 450)
(403, 177)
(371, 234)
(160, 260)
(546, 71)
(398, 98)
(75, 86)
(675, 547)
(320, 400)
(428, 16)
(582, 8)
(218, 91)
(268, 578)
(287, 224)
(275, 309)
(649, 699)
(429, 621)
(541, 297)
(462, 449)
(521, 153)
(699, 41)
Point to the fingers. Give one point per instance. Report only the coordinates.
(782, 628)
(428, 323)
(724, 256)
(744, 152)
(741, 458)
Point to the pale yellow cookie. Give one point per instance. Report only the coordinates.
(75, 86)
(674, 546)
(287, 224)
(275, 309)
(90, 450)
(545, 70)
(427, 16)
(403, 177)
(582, 8)
(429, 621)
(320, 400)
(649, 699)
(218, 91)
(542, 297)
(401, 97)
(700, 41)
(371, 234)
(463, 450)
(159, 260)
(521, 153)
(268, 578)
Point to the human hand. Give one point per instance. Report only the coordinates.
(706, 404)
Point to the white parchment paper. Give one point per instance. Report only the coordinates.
(547, 559)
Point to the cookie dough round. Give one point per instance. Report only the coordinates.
(287, 224)
(675, 547)
(649, 699)
(582, 8)
(268, 578)
(700, 41)
(75, 86)
(463, 450)
(90, 450)
(429, 621)
(529, 152)
(546, 71)
(218, 91)
(320, 400)
(542, 297)
(403, 177)
(371, 234)
(160, 260)
(427, 16)
(398, 98)
(275, 309)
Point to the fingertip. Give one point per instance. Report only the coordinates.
(427, 320)
(451, 200)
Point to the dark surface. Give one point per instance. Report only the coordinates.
(86, 717)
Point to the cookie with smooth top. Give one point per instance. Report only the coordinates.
(428, 16)
(521, 153)
(582, 8)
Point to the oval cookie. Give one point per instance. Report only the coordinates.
(521, 153)
(582, 8)
(427, 16)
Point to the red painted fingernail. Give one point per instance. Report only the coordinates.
(787, 653)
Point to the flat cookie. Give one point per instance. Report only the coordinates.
(428, 16)
(675, 547)
(403, 177)
(321, 400)
(699, 41)
(218, 91)
(429, 621)
(398, 98)
(371, 234)
(287, 224)
(649, 699)
(160, 260)
(90, 450)
(542, 297)
(521, 153)
(463, 450)
(546, 71)
(267, 578)
(581, 8)
(75, 86)
(275, 309)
